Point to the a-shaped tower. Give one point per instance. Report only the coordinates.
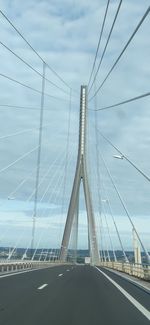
(81, 174)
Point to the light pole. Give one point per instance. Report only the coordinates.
(118, 156)
(117, 231)
(114, 254)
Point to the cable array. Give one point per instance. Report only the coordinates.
(108, 39)
(54, 183)
(99, 179)
(39, 178)
(19, 159)
(31, 67)
(102, 218)
(99, 42)
(31, 47)
(125, 157)
(122, 52)
(125, 209)
(124, 102)
(29, 87)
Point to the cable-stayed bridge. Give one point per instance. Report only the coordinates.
(74, 243)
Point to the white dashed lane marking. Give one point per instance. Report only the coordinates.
(43, 286)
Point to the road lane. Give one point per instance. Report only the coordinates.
(140, 294)
(126, 294)
(81, 296)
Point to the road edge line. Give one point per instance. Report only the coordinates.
(142, 309)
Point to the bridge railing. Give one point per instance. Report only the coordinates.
(11, 266)
(138, 270)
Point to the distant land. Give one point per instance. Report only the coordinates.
(52, 254)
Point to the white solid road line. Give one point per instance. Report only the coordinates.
(142, 309)
(43, 286)
(125, 276)
(60, 274)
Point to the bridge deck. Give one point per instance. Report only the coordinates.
(70, 295)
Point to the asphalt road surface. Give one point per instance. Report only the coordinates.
(72, 295)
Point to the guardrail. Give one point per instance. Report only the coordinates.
(138, 270)
(11, 266)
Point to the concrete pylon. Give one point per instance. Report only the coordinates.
(81, 175)
(136, 247)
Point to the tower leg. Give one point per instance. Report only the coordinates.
(70, 215)
(94, 252)
(75, 235)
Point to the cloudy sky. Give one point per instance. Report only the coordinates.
(65, 34)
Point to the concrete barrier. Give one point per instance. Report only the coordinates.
(138, 270)
(16, 266)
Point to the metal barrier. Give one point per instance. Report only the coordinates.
(138, 270)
